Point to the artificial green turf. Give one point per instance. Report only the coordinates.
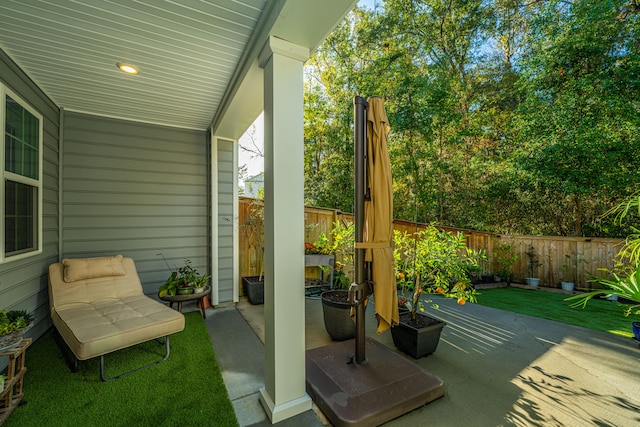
(601, 315)
(186, 390)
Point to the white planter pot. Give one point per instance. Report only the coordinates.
(567, 286)
(532, 281)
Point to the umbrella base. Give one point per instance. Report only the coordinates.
(351, 394)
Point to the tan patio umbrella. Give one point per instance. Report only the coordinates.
(378, 213)
(369, 389)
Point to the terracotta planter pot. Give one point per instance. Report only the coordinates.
(337, 315)
(417, 341)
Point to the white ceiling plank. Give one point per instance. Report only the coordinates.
(187, 52)
(193, 55)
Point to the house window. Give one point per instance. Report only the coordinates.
(21, 173)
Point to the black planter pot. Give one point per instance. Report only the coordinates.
(635, 327)
(417, 342)
(337, 315)
(253, 287)
(487, 278)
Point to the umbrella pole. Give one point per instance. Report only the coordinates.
(359, 291)
(368, 387)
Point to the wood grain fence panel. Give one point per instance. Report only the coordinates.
(587, 255)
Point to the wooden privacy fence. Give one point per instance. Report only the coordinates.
(575, 259)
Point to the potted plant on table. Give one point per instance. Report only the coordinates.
(13, 324)
(183, 281)
(532, 264)
(200, 283)
(430, 262)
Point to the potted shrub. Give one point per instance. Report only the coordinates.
(13, 324)
(532, 265)
(504, 258)
(476, 267)
(336, 309)
(431, 262)
(253, 229)
(253, 288)
(336, 312)
(569, 269)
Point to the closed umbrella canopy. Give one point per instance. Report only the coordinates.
(378, 212)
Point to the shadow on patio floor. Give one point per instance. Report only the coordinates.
(499, 368)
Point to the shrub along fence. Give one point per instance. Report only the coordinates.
(569, 259)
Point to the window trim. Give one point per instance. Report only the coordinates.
(5, 175)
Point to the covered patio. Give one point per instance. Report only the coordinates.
(145, 163)
(146, 166)
(499, 368)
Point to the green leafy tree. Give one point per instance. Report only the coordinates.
(508, 116)
(580, 114)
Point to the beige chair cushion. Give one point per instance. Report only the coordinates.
(91, 268)
(98, 315)
(92, 330)
(90, 291)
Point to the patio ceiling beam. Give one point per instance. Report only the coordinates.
(305, 23)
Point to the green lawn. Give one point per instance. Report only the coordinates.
(187, 389)
(600, 315)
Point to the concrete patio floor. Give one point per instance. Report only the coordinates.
(499, 369)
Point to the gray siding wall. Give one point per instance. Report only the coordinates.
(135, 189)
(226, 184)
(23, 283)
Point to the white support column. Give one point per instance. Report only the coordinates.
(284, 394)
(214, 221)
(236, 227)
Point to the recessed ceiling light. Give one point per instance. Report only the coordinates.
(127, 68)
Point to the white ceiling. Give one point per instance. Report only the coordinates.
(193, 55)
(186, 51)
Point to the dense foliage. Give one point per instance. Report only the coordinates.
(434, 261)
(509, 116)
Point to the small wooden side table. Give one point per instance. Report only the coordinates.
(191, 297)
(12, 393)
